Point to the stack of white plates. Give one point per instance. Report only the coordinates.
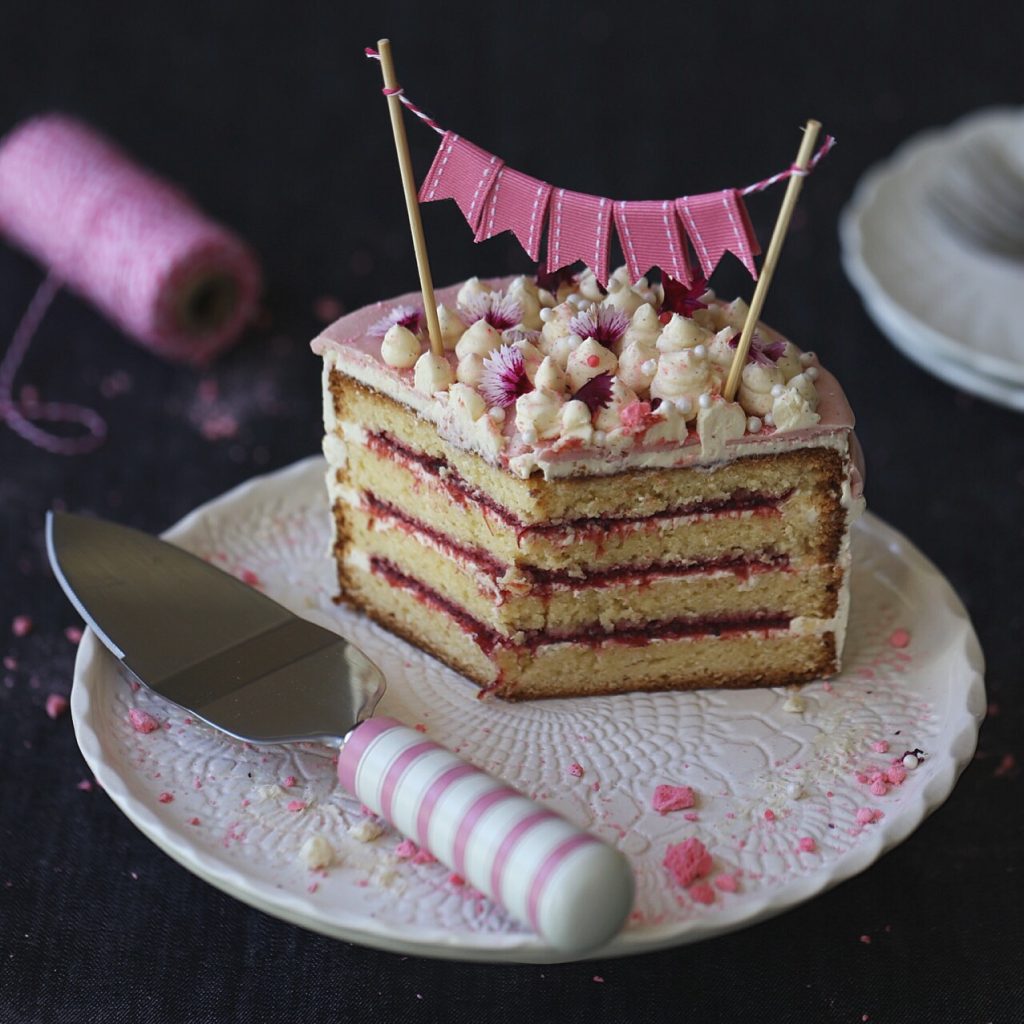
(954, 309)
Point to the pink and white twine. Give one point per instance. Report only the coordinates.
(130, 243)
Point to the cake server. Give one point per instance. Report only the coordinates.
(246, 665)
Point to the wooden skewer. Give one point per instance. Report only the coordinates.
(412, 205)
(803, 157)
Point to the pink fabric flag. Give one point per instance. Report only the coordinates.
(463, 172)
(650, 237)
(516, 203)
(579, 229)
(716, 222)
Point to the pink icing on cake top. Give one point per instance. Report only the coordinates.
(358, 353)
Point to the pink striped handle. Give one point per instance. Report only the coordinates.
(570, 887)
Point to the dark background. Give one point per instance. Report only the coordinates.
(269, 114)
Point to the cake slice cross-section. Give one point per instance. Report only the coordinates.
(565, 505)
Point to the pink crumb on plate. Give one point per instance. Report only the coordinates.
(193, 821)
(406, 849)
(165, 798)
(250, 578)
(296, 805)
(423, 857)
(56, 705)
(576, 770)
(687, 861)
(702, 893)
(21, 625)
(289, 781)
(727, 883)
(867, 815)
(899, 638)
(807, 845)
(672, 798)
(880, 747)
(769, 815)
(142, 721)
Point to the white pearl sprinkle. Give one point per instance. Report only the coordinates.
(700, 351)
(777, 391)
(684, 405)
(497, 414)
(910, 761)
(649, 367)
(704, 401)
(530, 436)
(546, 314)
(769, 420)
(811, 373)
(794, 790)
(753, 425)
(806, 358)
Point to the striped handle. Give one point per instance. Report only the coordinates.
(573, 889)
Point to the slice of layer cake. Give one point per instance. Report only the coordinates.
(565, 505)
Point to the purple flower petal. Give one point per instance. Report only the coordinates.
(504, 377)
(501, 311)
(596, 393)
(405, 316)
(604, 324)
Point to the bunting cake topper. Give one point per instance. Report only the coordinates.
(494, 198)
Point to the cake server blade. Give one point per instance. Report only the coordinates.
(249, 667)
(207, 641)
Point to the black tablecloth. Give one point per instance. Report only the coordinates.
(269, 114)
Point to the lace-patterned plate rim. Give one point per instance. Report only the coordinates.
(946, 679)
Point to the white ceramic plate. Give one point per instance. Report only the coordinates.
(237, 816)
(920, 281)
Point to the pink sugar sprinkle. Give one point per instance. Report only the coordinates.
(21, 625)
(134, 685)
(769, 815)
(880, 747)
(193, 821)
(296, 805)
(455, 879)
(687, 861)
(807, 845)
(879, 788)
(424, 857)
(86, 785)
(250, 578)
(73, 635)
(691, 816)
(576, 770)
(289, 781)
(142, 721)
(56, 705)
(899, 638)
(165, 798)
(896, 774)
(672, 798)
(406, 849)
(702, 893)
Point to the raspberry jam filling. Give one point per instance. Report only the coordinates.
(628, 634)
(462, 492)
(544, 581)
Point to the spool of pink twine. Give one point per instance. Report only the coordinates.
(131, 244)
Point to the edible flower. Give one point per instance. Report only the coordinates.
(504, 377)
(408, 317)
(764, 353)
(501, 311)
(683, 299)
(596, 393)
(605, 324)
